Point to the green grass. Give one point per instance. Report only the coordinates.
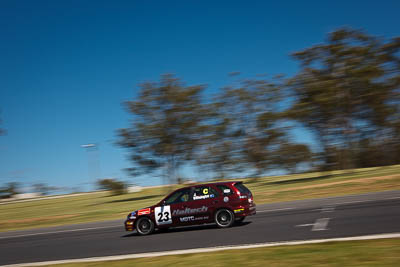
(102, 206)
(382, 252)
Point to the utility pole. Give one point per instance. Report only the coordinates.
(93, 162)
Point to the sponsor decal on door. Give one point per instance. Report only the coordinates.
(163, 215)
(188, 211)
(192, 218)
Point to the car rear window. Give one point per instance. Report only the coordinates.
(243, 189)
(225, 189)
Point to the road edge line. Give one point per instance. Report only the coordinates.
(209, 249)
(60, 231)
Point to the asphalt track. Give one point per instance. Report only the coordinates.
(299, 220)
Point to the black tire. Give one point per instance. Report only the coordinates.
(224, 218)
(240, 220)
(144, 226)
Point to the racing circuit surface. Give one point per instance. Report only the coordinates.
(299, 220)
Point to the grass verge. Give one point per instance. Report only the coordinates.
(382, 252)
(102, 206)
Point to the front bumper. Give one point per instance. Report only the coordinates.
(129, 225)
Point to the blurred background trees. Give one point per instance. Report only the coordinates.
(9, 190)
(246, 129)
(114, 186)
(167, 127)
(43, 189)
(346, 93)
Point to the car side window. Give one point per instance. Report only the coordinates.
(179, 196)
(204, 192)
(225, 189)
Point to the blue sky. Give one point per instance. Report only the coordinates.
(66, 67)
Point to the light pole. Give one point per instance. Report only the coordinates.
(93, 162)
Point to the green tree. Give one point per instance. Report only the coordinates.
(116, 187)
(167, 127)
(10, 190)
(219, 148)
(246, 130)
(290, 156)
(43, 188)
(347, 90)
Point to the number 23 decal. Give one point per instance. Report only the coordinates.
(163, 215)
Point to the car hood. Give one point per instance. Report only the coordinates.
(134, 214)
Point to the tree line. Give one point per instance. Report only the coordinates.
(345, 93)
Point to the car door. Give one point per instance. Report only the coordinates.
(172, 208)
(205, 200)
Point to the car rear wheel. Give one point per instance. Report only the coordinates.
(144, 226)
(224, 218)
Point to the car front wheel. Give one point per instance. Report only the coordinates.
(224, 218)
(144, 226)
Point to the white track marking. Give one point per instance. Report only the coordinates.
(261, 211)
(304, 225)
(362, 201)
(331, 207)
(325, 209)
(352, 202)
(62, 231)
(210, 249)
(320, 224)
(328, 209)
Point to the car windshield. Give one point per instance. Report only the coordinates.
(179, 196)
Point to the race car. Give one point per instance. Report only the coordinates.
(222, 203)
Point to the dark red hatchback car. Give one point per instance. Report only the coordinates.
(222, 203)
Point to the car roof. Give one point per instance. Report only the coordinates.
(218, 183)
(214, 183)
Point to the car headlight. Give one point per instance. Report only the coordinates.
(132, 215)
